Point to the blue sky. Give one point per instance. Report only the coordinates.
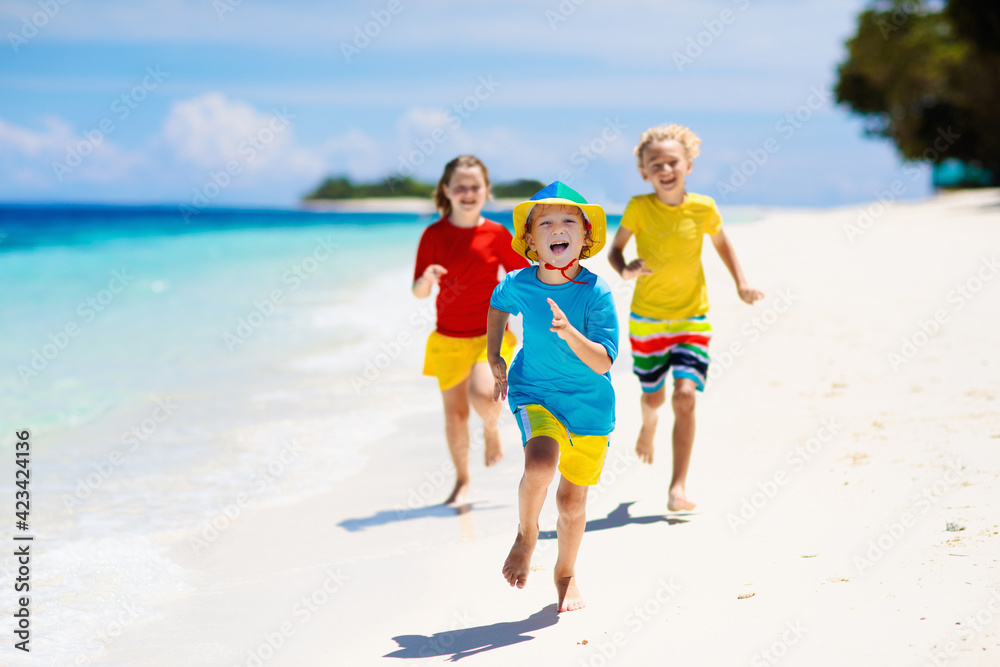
(248, 102)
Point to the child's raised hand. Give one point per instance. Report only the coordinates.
(634, 269)
(434, 272)
(499, 368)
(749, 294)
(560, 324)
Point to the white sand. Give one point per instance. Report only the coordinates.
(666, 592)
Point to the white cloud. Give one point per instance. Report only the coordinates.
(56, 155)
(211, 130)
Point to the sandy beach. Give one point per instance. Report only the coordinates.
(851, 417)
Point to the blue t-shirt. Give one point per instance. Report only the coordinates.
(546, 371)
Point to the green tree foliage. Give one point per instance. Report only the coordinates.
(927, 76)
(520, 188)
(343, 188)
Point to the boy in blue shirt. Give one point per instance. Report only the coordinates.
(560, 384)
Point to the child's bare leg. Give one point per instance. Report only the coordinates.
(541, 454)
(650, 402)
(571, 499)
(481, 397)
(456, 432)
(682, 401)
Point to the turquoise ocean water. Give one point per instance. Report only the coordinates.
(166, 368)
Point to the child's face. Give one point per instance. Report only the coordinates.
(467, 190)
(665, 165)
(557, 233)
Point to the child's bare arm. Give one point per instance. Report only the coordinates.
(496, 323)
(727, 253)
(422, 285)
(616, 257)
(590, 352)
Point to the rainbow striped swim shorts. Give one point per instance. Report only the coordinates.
(659, 345)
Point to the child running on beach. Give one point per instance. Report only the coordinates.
(560, 385)
(667, 325)
(462, 253)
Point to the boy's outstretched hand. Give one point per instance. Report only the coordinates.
(749, 294)
(560, 324)
(499, 368)
(635, 268)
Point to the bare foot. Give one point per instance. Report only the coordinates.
(457, 496)
(678, 502)
(569, 595)
(644, 445)
(494, 450)
(518, 563)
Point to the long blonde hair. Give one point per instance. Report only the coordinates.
(441, 201)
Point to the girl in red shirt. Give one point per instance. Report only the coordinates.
(462, 253)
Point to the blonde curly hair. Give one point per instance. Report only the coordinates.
(679, 133)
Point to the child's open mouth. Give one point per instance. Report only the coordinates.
(559, 247)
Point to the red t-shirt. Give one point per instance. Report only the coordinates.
(472, 256)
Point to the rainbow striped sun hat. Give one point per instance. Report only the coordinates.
(560, 193)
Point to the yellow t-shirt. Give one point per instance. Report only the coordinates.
(669, 238)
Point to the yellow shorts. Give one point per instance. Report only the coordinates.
(581, 457)
(450, 360)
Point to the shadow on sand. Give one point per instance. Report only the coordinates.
(464, 642)
(383, 517)
(617, 518)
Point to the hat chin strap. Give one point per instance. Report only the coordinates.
(562, 270)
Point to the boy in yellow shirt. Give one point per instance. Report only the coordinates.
(667, 325)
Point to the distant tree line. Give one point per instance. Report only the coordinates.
(927, 76)
(342, 187)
